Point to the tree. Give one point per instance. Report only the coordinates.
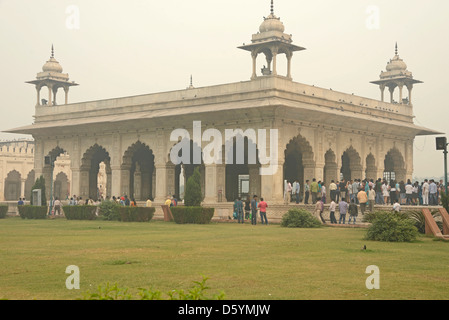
(193, 195)
(40, 184)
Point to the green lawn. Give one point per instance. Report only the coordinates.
(246, 262)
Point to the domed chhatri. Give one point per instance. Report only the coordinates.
(52, 78)
(271, 41)
(396, 75)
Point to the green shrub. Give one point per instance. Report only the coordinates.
(299, 218)
(114, 292)
(3, 211)
(193, 195)
(109, 210)
(392, 227)
(136, 214)
(80, 212)
(197, 215)
(33, 212)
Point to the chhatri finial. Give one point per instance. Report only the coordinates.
(272, 7)
(52, 51)
(191, 80)
(396, 49)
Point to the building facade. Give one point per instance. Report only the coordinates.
(320, 133)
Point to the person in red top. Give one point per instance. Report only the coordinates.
(263, 210)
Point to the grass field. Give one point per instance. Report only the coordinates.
(246, 262)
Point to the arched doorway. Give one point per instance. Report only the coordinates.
(298, 155)
(394, 166)
(351, 167)
(242, 178)
(61, 186)
(12, 186)
(90, 168)
(184, 168)
(29, 183)
(139, 160)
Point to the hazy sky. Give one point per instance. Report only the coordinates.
(125, 48)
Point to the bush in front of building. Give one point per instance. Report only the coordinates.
(195, 215)
(3, 211)
(109, 210)
(136, 214)
(193, 195)
(80, 212)
(33, 212)
(392, 227)
(299, 218)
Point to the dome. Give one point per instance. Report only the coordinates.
(272, 23)
(52, 66)
(396, 64)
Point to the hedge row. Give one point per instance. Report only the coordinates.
(117, 213)
(3, 211)
(136, 214)
(33, 212)
(197, 215)
(80, 212)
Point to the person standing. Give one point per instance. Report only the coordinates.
(363, 199)
(288, 194)
(350, 192)
(314, 189)
(343, 208)
(332, 208)
(239, 210)
(319, 208)
(297, 189)
(254, 210)
(57, 206)
(263, 211)
(247, 208)
(323, 192)
(353, 212)
(306, 192)
(385, 192)
(425, 193)
(408, 193)
(332, 190)
(371, 198)
(433, 190)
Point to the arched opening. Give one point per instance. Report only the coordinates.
(298, 154)
(29, 183)
(61, 186)
(394, 166)
(53, 157)
(91, 161)
(12, 186)
(351, 167)
(139, 160)
(181, 172)
(242, 178)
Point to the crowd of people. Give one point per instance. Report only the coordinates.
(427, 192)
(248, 210)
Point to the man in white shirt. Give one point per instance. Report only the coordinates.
(333, 190)
(408, 192)
(296, 189)
(396, 207)
(425, 193)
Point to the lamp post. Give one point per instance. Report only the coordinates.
(442, 145)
